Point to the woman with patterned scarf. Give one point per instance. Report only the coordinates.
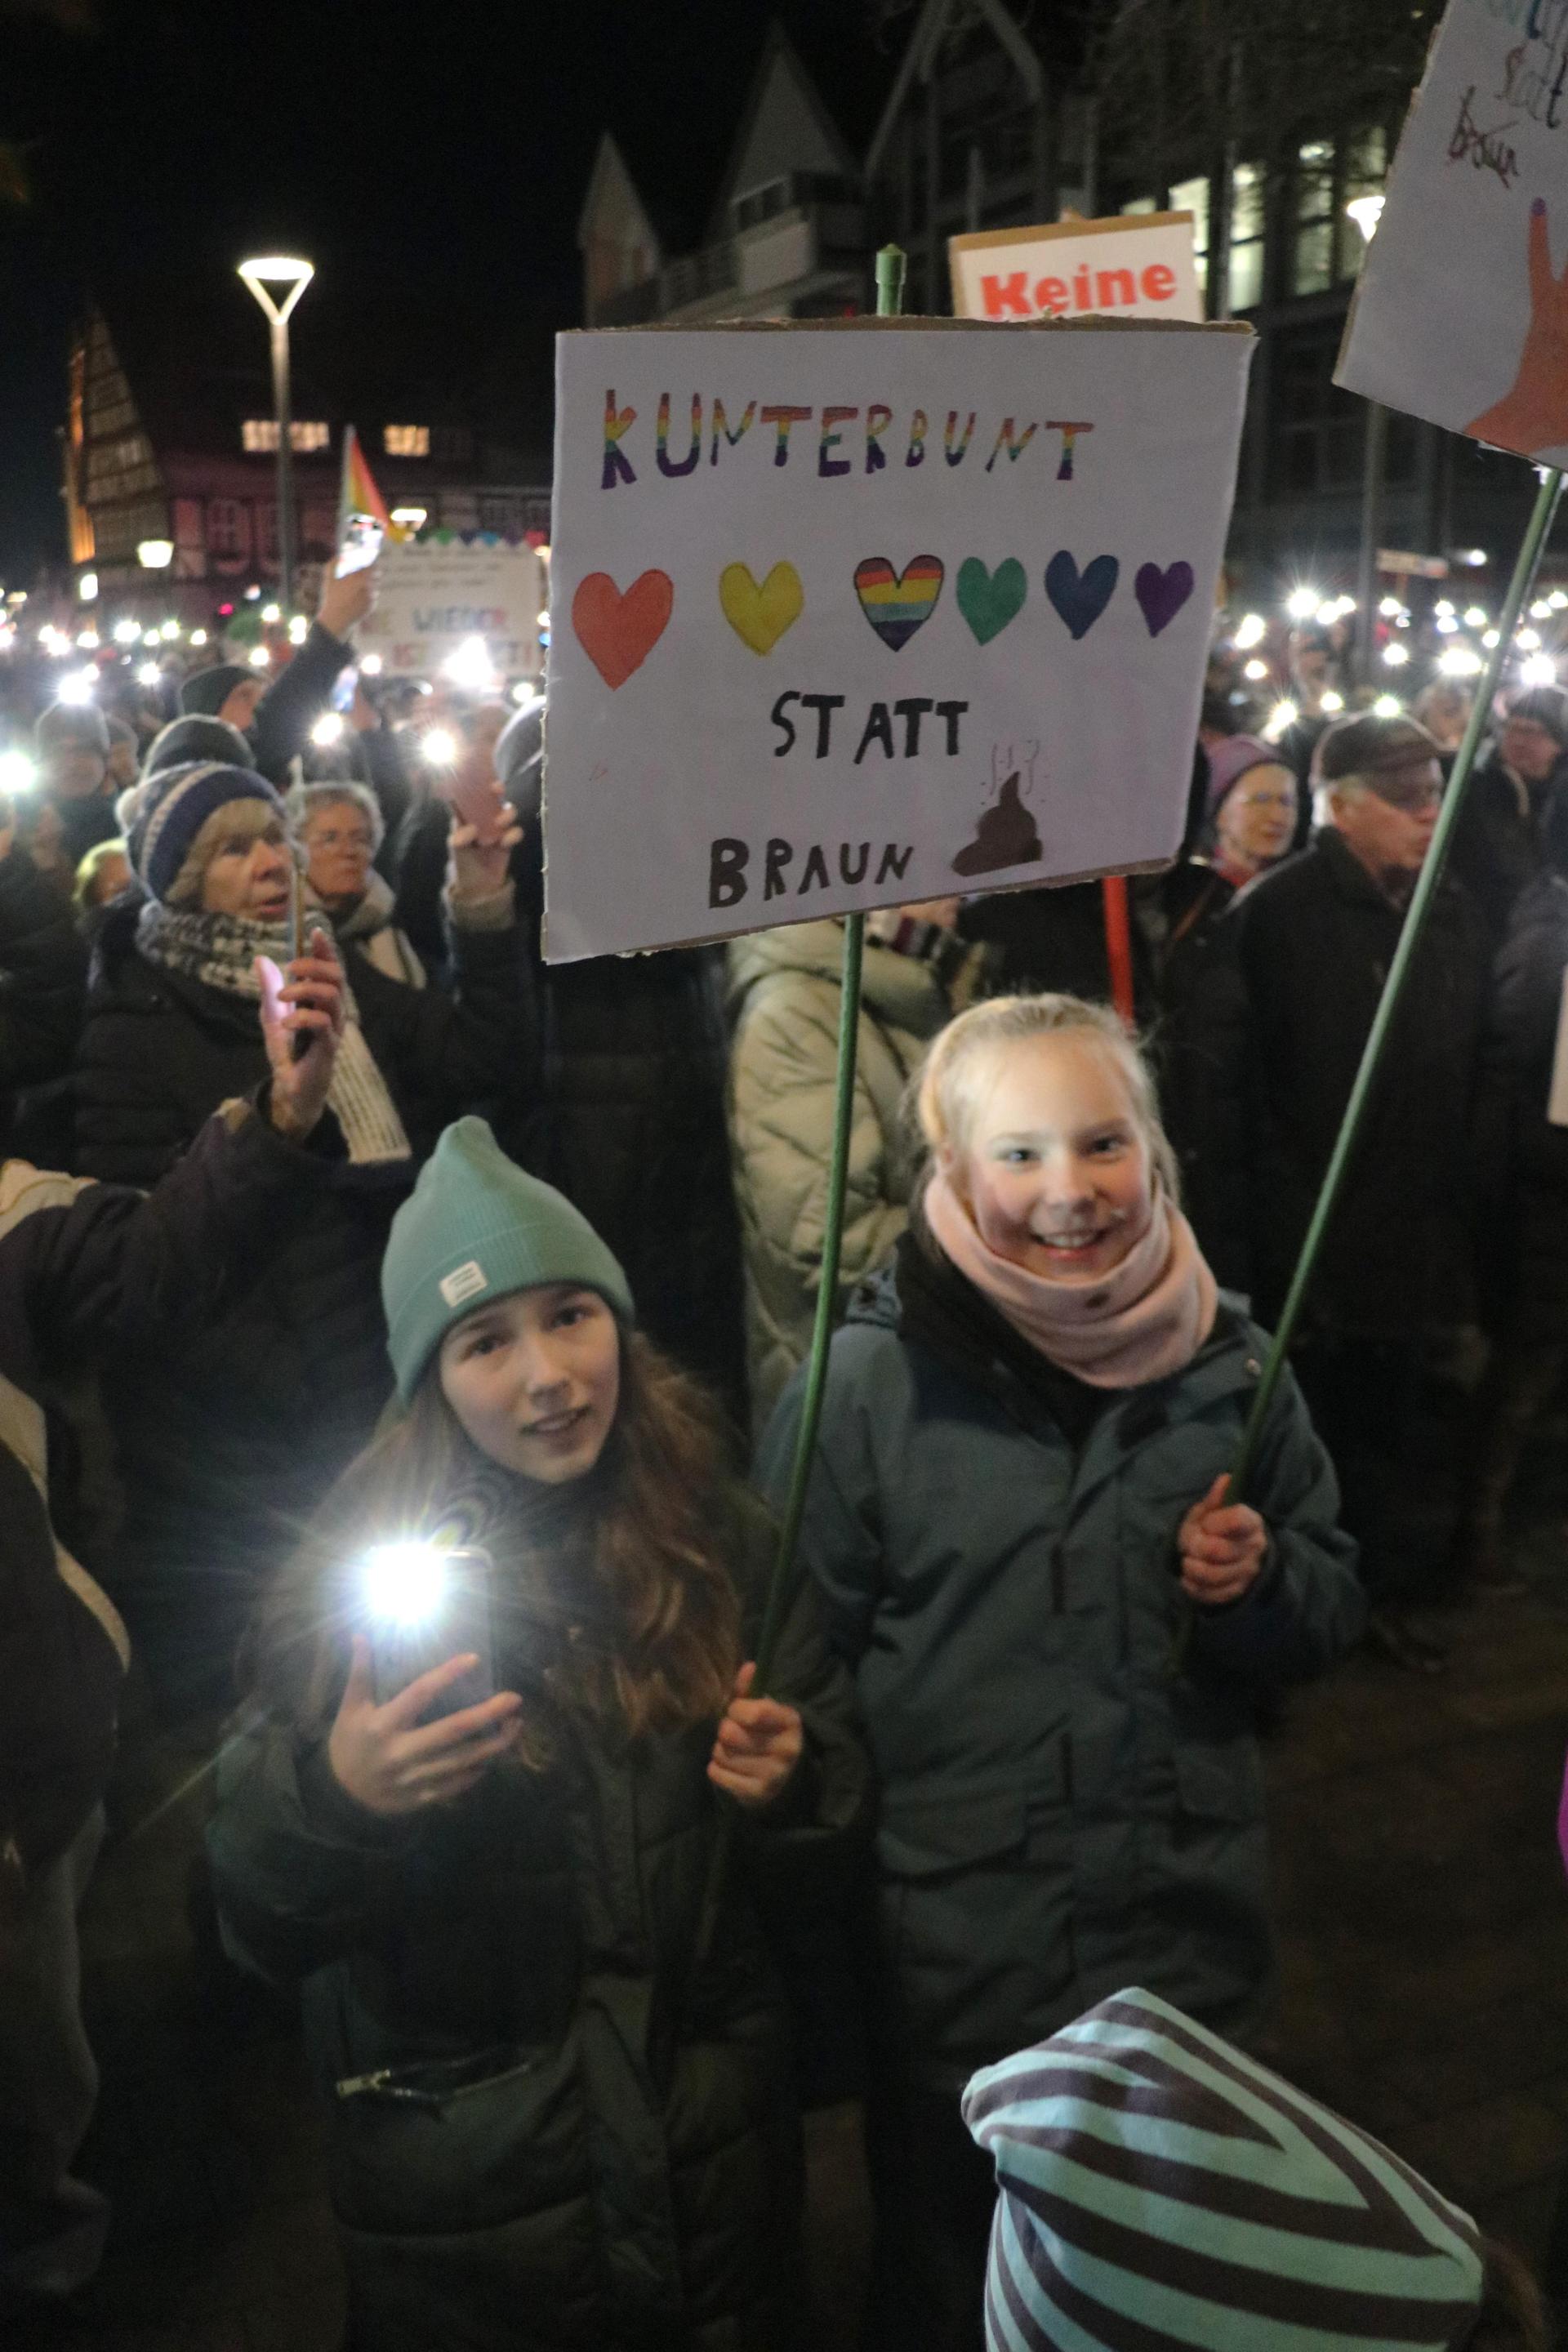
(225, 1451)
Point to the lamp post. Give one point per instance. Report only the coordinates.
(291, 277)
(1366, 212)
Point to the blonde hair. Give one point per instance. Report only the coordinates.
(945, 1087)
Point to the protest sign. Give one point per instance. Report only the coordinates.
(865, 613)
(1140, 265)
(434, 595)
(1462, 311)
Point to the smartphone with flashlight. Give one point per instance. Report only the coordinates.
(422, 1604)
(468, 786)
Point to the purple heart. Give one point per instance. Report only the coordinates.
(1161, 594)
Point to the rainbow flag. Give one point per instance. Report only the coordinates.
(363, 520)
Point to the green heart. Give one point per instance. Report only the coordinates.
(989, 600)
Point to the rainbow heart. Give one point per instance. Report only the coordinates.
(1161, 594)
(898, 602)
(618, 633)
(760, 616)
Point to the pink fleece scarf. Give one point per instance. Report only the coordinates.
(1145, 1318)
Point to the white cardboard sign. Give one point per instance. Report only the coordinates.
(856, 614)
(433, 596)
(1462, 311)
(1139, 265)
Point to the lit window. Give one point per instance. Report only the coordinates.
(1245, 287)
(1312, 262)
(227, 534)
(406, 440)
(259, 435)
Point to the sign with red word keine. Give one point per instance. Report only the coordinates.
(1138, 266)
(1461, 315)
(862, 613)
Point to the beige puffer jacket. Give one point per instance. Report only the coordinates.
(783, 994)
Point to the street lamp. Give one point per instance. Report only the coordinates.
(291, 277)
(1366, 212)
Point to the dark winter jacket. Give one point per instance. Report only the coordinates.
(43, 980)
(225, 1446)
(546, 2132)
(1276, 1029)
(630, 1124)
(1507, 834)
(84, 1269)
(1192, 899)
(1527, 1214)
(1071, 1795)
(1053, 940)
(289, 710)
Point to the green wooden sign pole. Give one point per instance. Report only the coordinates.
(1425, 891)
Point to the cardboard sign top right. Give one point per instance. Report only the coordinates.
(1461, 315)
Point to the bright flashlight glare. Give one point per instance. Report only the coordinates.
(405, 1583)
(1255, 670)
(1540, 610)
(470, 665)
(1460, 661)
(1557, 601)
(1539, 671)
(271, 613)
(1302, 602)
(1283, 715)
(149, 674)
(370, 665)
(1529, 641)
(328, 729)
(1395, 655)
(1387, 705)
(1250, 630)
(1474, 617)
(298, 628)
(260, 658)
(198, 636)
(17, 773)
(76, 685)
(1391, 608)
(526, 696)
(1332, 702)
(439, 746)
(127, 632)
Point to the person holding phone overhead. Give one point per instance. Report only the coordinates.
(228, 1448)
(558, 2117)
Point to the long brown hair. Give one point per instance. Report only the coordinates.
(638, 1548)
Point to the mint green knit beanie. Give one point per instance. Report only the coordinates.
(477, 1227)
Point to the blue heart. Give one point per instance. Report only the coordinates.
(1081, 597)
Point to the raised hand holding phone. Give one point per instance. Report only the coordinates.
(301, 1021)
(391, 1761)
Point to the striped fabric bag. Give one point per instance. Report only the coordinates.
(1160, 2192)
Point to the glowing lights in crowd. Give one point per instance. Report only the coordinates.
(1332, 702)
(260, 658)
(328, 729)
(470, 665)
(149, 674)
(298, 627)
(126, 632)
(1391, 608)
(1492, 639)
(87, 587)
(17, 773)
(1474, 618)
(271, 615)
(76, 685)
(1255, 670)
(404, 1583)
(1538, 669)
(1387, 705)
(155, 554)
(439, 746)
(1446, 624)
(1282, 716)
(198, 636)
(370, 665)
(88, 641)
(1460, 661)
(1396, 655)
(1529, 641)
(526, 696)
(1302, 602)
(1250, 630)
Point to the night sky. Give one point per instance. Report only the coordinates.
(431, 161)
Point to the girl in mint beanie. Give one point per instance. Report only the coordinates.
(558, 2117)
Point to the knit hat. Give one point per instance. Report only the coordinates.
(478, 1227)
(1158, 2187)
(1366, 745)
(184, 740)
(72, 722)
(175, 804)
(1548, 706)
(205, 691)
(1232, 759)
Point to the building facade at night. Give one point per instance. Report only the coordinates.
(185, 461)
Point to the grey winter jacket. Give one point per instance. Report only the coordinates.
(1072, 1797)
(783, 997)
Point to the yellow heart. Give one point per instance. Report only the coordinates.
(760, 616)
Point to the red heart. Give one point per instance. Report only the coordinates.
(618, 633)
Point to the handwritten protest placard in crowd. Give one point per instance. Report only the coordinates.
(1462, 311)
(1138, 266)
(861, 613)
(434, 595)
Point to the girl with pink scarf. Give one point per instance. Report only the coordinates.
(1059, 1627)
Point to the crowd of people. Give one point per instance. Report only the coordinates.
(401, 1374)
